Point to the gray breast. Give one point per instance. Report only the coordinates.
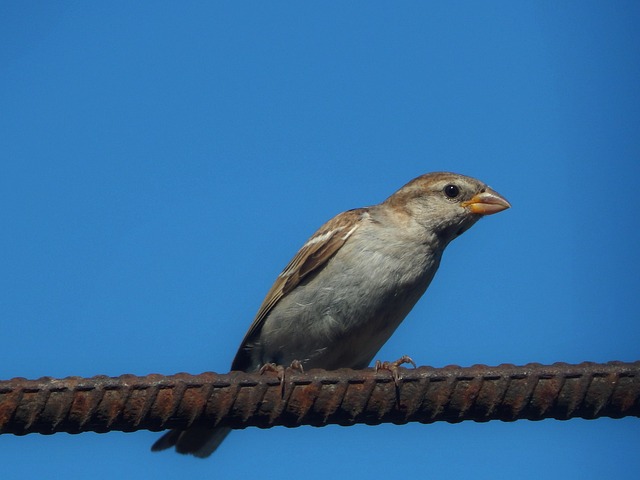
(342, 315)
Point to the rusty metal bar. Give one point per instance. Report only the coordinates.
(344, 397)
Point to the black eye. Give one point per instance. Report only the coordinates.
(451, 191)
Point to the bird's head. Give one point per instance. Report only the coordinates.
(446, 204)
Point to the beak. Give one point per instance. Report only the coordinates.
(487, 203)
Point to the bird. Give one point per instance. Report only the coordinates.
(352, 283)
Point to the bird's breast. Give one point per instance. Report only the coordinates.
(342, 315)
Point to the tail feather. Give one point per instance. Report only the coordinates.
(198, 441)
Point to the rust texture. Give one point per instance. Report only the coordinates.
(345, 397)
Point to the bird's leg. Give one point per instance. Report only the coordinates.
(393, 367)
(272, 367)
(280, 371)
(297, 365)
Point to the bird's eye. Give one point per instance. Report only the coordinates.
(451, 191)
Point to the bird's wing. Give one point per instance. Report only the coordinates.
(311, 257)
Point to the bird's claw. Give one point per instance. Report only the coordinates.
(297, 365)
(393, 367)
(280, 371)
(273, 368)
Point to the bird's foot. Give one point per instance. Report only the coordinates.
(296, 365)
(280, 371)
(393, 367)
(272, 368)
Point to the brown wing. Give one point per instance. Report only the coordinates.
(312, 256)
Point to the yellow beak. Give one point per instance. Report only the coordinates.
(487, 203)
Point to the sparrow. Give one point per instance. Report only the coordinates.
(351, 284)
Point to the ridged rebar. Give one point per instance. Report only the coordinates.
(318, 397)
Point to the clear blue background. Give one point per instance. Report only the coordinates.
(162, 161)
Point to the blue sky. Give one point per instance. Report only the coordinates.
(162, 161)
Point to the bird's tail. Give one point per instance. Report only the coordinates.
(198, 441)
